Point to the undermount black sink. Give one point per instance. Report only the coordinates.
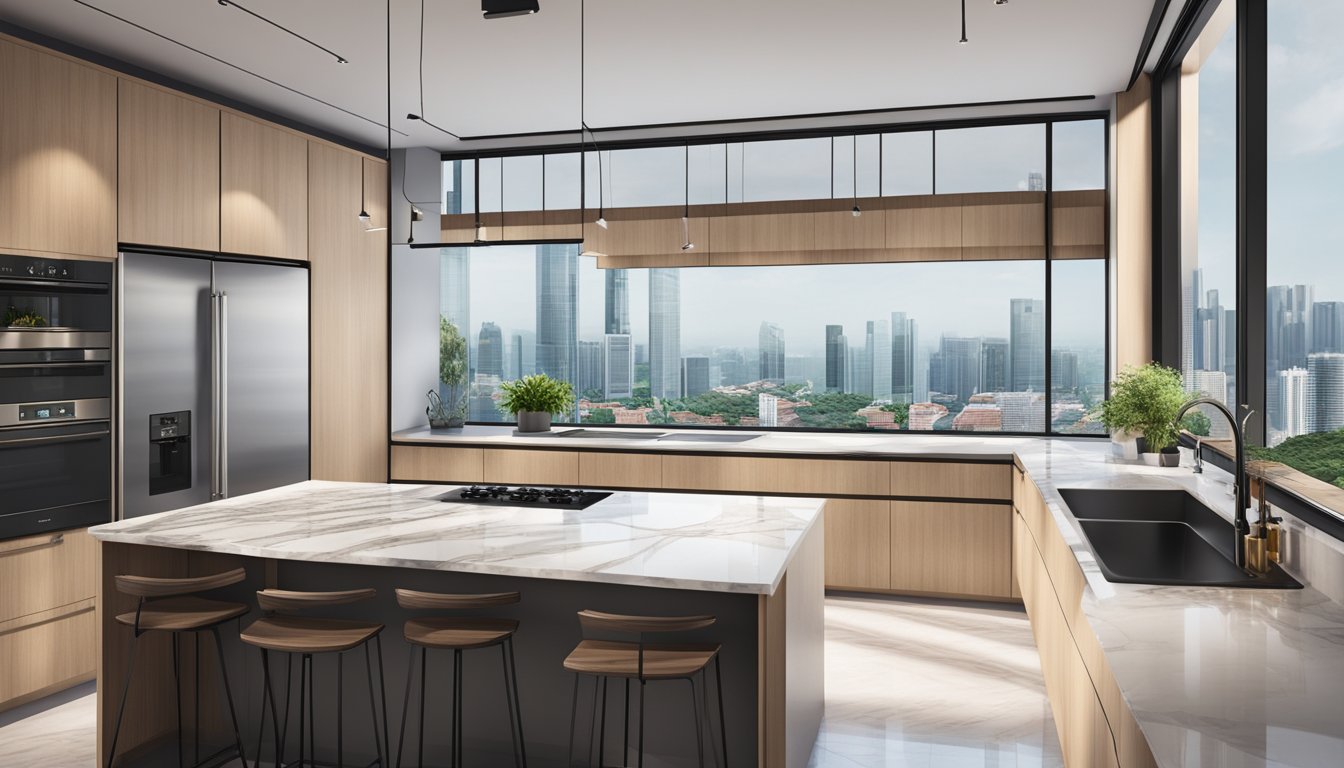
(1163, 537)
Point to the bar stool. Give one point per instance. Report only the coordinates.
(171, 605)
(278, 630)
(458, 634)
(645, 662)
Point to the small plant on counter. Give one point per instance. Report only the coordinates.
(451, 409)
(534, 399)
(1145, 401)
(21, 318)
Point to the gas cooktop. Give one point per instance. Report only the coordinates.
(524, 496)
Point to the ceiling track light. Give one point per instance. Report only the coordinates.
(686, 204)
(231, 4)
(503, 9)
(854, 145)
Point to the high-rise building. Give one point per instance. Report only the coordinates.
(1063, 370)
(1327, 326)
(618, 379)
(903, 367)
(836, 346)
(1287, 326)
(665, 333)
(1026, 338)
(590, 373)
(919, 368)
(993, 365)
(522, 354)
(1022, 411)
(557, 311)
(490, 351)
(733, 367)
(455, 303)
(1035, 181)
(641, 354)
(772, 353)
(694, 375)
(1212, 384)
(1294, 391)
(1325, 371)
(1192, 297)
(858, 371)
(618, 301)
(767, 410)
(877, 343)
(959, 359)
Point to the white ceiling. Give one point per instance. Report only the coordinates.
(648, 62)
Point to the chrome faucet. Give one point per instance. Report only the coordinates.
(1239, 525)
(1199, 456)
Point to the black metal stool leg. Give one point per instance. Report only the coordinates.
(643, 691)
(699, 722)
(177, 693)
(228, 694)
(515, 712)
(602, 729)
(303, 708)
(340, 718)
(457, 709)
(383, 757)
(625, 738)
(196, 710)
(268, 695)
(723, 731)
(592, 717)
(383, 747)
(121, 709)
(312, 714)
(423, 664)
(573, 721)
(405, 706)
(289, 685)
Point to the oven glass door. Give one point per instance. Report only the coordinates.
(32, 376)
(54, 477)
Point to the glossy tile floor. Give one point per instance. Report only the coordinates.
(908, 683)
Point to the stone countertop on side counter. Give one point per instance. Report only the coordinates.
(740, 544)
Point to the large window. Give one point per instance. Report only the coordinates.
(932, 344)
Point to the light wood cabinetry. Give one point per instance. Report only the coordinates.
(858, 550)
(58, 154)
(951, 480)
(168, 169)
(809, 477)
(430, 464)
(508, 466)
(609, 469)
(47, 591)
(348, 277)
(950, 548)
(264, 189)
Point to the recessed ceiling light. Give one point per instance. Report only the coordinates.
(502, 9)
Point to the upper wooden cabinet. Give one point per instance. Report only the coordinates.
(58, 154)
(264, 190)
(168, 172)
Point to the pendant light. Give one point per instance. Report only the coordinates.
(963, 39)
(476, 183)
(363, 209)
(686, 205)
(586, 132)
(856, 211)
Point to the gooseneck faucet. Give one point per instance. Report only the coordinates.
(1240, 527)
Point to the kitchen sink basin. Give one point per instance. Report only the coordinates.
(598, 434)
(1163, 537)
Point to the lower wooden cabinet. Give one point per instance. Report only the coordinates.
(951, 548)
(431, 464)
(858, 544)
(507, 466)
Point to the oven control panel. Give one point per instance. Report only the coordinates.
(46, 411)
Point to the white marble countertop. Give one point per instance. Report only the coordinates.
(914, 445)
(737, 544)
(1214, 676)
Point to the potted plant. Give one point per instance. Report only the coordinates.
(1144, 401)
(449, 409)
(533, 399)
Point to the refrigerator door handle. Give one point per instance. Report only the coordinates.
(222, 458)
(214, 396)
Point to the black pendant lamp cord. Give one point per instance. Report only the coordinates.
(421, 116)
(231, 4)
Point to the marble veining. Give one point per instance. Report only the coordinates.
(702, 542)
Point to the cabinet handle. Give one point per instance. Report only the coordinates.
(56, 540)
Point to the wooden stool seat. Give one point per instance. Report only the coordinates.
(301, 634)
(459, 632)
(612, 658)
(182, 614)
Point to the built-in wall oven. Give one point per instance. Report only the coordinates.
(56, 378)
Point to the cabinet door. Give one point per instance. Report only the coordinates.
(58, 154)
(168, 169)
(264, 183)
(951, 548)
(858, 550)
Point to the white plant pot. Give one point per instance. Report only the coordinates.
(1125, 445)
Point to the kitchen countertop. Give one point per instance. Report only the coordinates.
(739, 544)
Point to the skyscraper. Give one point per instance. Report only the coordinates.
(490, 351)
(523, 354)
(665, 333)
(557, 311)
(1294, 392)
(1026, 338)
(772, 353)
(994, 365)
(618, 301)
(858, 372)
(877, 343)
(1063, 370)
(1035, 181)
(590, 373)
(1287, 326)
(618, 366)
(1325, 371)
(1192, 290)
(767, 410)
(919, 365)
(836, 344)
(960, 362)
(1327, 326)
(694, 375)
(905, 371)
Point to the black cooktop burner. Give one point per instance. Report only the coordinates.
(525, 496)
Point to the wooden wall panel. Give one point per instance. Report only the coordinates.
(168, 169)
(58, 154)
(349, 318)
(1133, 332)
(950, 548)
(433, 464)
(949, 480)
(926, 227)
(264, 189)
(1079, 224)
(1003, 225)
(858, 544)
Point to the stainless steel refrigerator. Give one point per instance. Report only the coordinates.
(213, 397)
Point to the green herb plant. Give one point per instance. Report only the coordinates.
(1146, 400)
(453, 367)
(21, 318)
(538, 393)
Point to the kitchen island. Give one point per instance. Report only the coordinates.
(753, 562)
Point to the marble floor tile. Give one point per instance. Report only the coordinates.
(908, 683)
(928, 683)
